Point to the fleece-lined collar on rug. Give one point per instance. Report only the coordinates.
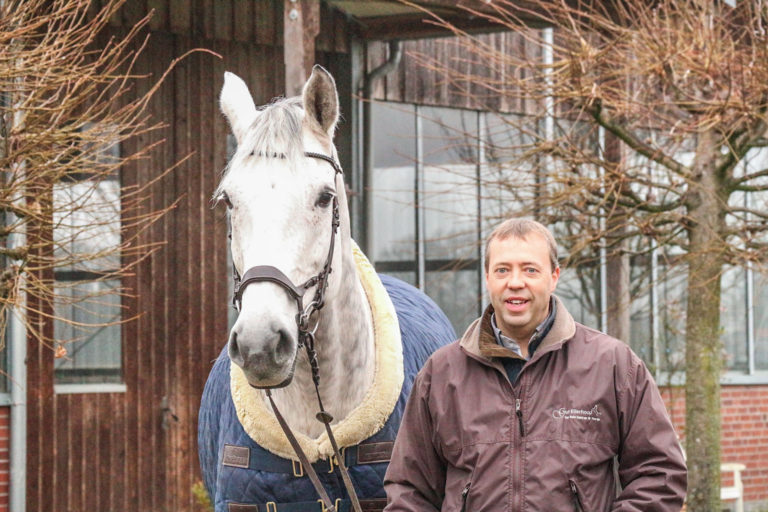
(366, 419)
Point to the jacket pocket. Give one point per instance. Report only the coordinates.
(576, 497)
(465, 496)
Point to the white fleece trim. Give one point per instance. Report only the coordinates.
(367, 418)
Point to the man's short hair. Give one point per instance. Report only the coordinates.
(520, 229)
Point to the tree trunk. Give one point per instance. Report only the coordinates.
(703, 356)
(617, 287)
(618, 297)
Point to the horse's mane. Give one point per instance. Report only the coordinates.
(275, 133)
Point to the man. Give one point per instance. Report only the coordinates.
(529, 409)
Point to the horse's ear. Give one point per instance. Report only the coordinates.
(321, 101)
(237, 104)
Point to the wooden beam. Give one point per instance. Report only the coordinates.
(421, 25)
(301, 23)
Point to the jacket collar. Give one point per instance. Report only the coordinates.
(480, 341)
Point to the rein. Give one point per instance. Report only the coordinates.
(306, 339)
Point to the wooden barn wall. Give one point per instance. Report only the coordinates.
(245, 21)
(122, 451)
(426, 65)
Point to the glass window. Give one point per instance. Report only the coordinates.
(505, 179)
(4, 354)
(457, 294)
(394, 180)
(733, 318)
(450, 183)
(4, 325)
(466, 163)
(641, 313)
(444, 177)
(761, 321)
(672, 296)
(87, 304)
(579, 289)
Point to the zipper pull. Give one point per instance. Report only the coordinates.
(464, 495)
(575, 495)
(519, 417)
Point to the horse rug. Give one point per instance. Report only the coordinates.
(254, 467)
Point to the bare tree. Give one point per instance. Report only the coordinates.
(67, 101)
(656, 112)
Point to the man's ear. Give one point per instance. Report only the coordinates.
(237, 104)
(321, 101)
(556, 278)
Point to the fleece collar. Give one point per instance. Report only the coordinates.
(480, 341)
(366, 419)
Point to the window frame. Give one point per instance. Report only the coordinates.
(70, 384)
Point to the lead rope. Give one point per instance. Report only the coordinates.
(325, 418)
(302, 456)
(307, 338)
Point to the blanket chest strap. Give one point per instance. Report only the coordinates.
(372, 505)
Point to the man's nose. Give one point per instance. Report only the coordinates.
(515, 279)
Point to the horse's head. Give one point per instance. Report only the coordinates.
(281, 209)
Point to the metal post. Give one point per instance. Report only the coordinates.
(18, 451)
(481, 139)
(419, 198)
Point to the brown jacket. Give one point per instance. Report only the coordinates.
(471, 441)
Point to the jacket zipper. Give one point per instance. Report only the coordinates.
(464, 495)
(519, 414)
(576, 498)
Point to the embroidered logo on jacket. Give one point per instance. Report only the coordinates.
(563, 413)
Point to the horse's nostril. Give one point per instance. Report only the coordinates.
(234, 349)
(284, 348)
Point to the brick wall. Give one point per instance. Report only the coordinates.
(5, 440)
(744, 413)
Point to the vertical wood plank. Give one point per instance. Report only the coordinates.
(105, 423)
(222, 20)
(265, 19)
(221, 282)
(164, 196)
(243, 20)
(159, 20)
(181, 312)
(340, 32)
(133, 12)
(196, 280)
(59, 445)
(92, 463)
(77, 480)
(180, 16)
(129, 335)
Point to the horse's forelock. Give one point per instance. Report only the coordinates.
(276, 131)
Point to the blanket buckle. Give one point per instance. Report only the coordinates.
(298, 469)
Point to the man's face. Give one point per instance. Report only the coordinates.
(520, 281)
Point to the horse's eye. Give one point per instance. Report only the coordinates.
(324, 199)
(224, 197)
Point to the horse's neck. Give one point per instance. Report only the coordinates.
(345, 351)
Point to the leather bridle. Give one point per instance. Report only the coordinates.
(306, 338)
(272, 274)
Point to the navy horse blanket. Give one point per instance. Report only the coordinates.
(248, 464)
